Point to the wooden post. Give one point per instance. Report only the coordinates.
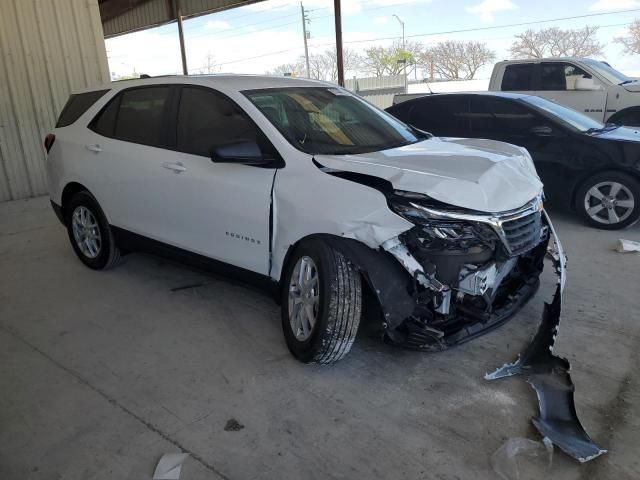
(339, 57)
(178, 9)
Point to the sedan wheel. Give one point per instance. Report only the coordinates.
(609, 200)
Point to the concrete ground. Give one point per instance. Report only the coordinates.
(103, 372)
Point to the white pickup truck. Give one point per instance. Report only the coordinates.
(589, 86)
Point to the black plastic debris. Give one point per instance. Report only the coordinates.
(549, 375)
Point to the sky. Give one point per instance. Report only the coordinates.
(258, 37)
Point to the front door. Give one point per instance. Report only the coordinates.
(220, 210)
(559, 82)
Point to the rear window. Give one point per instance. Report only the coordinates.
(518, 77)
(76, 105)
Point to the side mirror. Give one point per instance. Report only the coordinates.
(244, 153)
(542, 131)
(586, 84)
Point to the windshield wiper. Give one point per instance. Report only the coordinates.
(606, 128)
(628, 81)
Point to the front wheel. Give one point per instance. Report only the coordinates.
(321, 303)
(609, 200)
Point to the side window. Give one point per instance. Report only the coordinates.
(496, 118)
(518, 77)
(77, 105)
(558, 76)
(441, 115)
(140, 115)
(105, 123)
(207, 119)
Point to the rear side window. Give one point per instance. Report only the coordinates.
(207, 120)
(135, 116)
(518, 77)
(495, 118)
(442, 116)
(77, 105)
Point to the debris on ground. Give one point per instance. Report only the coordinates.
(520, 455)
(549, 375)
(627, 246)
(233, 425)
(169, 466)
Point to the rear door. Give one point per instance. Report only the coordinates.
(220, 210)
(444, 116)
(126, 149)
(557, 82)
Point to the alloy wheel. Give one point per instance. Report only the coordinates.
(609, 202)
(86, 232)
(304, 298)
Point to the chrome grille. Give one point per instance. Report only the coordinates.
(523, 233)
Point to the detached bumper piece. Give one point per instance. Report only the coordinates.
(549, 375)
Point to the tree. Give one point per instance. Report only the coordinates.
(631, 42)
(379, 61)
(455, 59)
(556, 42)
(286, 69)
(323, 66)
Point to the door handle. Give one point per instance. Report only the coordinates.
(176, 167)
(94, 148)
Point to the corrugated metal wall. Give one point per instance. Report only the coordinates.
(377, 90)
(48, 48)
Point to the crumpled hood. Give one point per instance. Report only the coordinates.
(483, 175)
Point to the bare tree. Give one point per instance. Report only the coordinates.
(294, 69)
(455, 59)
(556, 42)
(379, 61)
(631, 42)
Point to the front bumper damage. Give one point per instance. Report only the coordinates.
(465, 286)
(549, 375)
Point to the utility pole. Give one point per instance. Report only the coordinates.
(404, 49)
(305, 35)
(337, 13)
(177, 7)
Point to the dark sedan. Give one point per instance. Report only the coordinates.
(583, 164)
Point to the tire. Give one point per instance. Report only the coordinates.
(84, 208)
(337, 310)
(610, 212)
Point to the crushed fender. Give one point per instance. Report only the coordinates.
(549, 375)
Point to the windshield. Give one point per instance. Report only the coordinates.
(330, 120)
(609, 73)
(564, 115)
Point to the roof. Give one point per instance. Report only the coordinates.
(508, 95)
(233, 81)
(548, 59)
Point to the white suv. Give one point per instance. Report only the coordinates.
(310, 190)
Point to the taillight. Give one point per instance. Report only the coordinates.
(48, 141)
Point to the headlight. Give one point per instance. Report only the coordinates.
(415, 208)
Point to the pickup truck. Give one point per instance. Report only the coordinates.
(589, 86)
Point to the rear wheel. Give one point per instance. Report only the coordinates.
(609, 200)
(321, 303)
(89, 232)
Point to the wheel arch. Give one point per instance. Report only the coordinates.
(623, 112)
(68, 192)
(390, 283)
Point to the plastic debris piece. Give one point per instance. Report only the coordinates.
(627, 246)
(169, 466)
(535, 459)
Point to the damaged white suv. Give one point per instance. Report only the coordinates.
(304, 185)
